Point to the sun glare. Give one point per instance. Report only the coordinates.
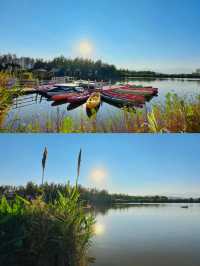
(98, 176)
(85, 48)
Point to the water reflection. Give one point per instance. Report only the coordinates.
(120, 106)
(25, 101)
(147, 234)
(58, 103)
(94, 111)
(99, 229)
(73, 106)
(26, 107)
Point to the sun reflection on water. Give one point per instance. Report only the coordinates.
(99, 229)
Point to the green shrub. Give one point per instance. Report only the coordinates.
(36, 233)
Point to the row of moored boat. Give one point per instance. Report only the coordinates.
(76, 93)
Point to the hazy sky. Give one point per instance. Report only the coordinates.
(134, 164)
(139, 34)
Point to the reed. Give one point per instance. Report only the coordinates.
(44, 158)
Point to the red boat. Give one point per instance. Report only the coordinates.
(62, 97)
(145, 93)
(131, 97)
(78, 98)
(137, 88)
(149, 90)
(71, 97)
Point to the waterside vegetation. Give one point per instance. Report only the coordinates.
(6, 93)
(37, 232)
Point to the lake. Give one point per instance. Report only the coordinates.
(148, 235)
(34, 106)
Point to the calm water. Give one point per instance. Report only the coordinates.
(151, 235)
(32, 106)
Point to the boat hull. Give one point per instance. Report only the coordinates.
(94, 100)
(61, 97)
(123, 100)
(71, 97)
(135, 92)
(79, 99)
(125, 97)
(132, 89)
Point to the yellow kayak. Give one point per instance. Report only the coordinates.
(94, 100)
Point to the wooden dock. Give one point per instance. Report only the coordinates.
(26, 100)
(28, 90)
(24, 90)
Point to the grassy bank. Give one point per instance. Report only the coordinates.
(176, 114)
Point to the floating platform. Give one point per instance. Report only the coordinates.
(28, 90)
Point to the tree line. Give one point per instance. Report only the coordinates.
(90, 196)
(78, 67)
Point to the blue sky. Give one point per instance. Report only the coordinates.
(139, 34)
(134, 164)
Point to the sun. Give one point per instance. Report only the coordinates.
(85, 48)
(98, 176)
